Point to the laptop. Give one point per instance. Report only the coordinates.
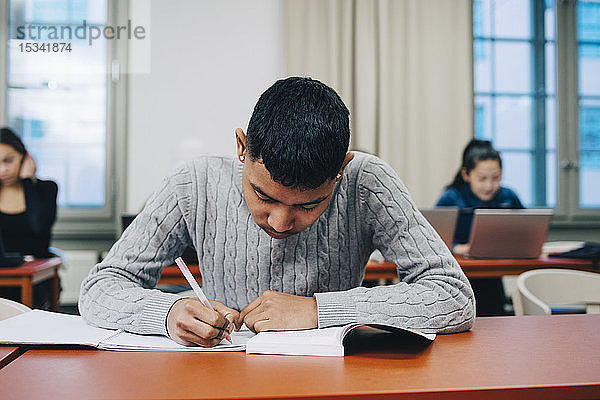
(509, 233)
(9, 259)
(443, 220)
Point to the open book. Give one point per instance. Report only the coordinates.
(316, 342)
(39, 327)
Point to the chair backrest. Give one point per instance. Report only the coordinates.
(538, 289)
(9, 308)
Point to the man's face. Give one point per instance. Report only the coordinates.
(279, 210)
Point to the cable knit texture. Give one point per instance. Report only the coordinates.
(202, 205)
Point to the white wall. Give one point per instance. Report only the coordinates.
(76, 266)
(210, 60)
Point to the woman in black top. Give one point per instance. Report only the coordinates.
(27, 210)
(27, 204)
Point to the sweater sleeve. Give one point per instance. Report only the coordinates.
(433, 295)
(118, 291)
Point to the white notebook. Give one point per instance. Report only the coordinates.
(39, 327)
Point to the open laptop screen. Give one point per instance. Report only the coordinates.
(443, 220)
(502, 233)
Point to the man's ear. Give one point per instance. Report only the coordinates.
(240, 140)
(465, 176)
(347, 159)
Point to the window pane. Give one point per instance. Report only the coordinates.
(55, 127)
(550, 68)
(551, 181)
(57, 100)
(551, 123)
(513, 66)
(516, 174)
(482, 55)
(86, 169)
(519, 92)
(588, 20)
(47, 11)
(483, 120)
(513, 122)
(512, 19)
(589, 70)
(481, 18)
(589, 153)
(589, 189)
(549, 20)
(588, 32)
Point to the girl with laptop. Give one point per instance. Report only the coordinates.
(477, 185)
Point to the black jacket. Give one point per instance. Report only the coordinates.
(29, 233)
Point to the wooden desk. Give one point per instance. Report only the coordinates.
(487, 268)
(29, 274)
(171, 275)
(7, 354)
(473, 268)
(535, 357)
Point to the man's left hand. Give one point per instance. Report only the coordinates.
(280, 311)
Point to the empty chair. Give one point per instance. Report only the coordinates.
(9, 308)
(540, 291)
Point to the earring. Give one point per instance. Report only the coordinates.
(242, 158)
(338, 176)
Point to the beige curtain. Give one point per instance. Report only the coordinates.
(404, 69)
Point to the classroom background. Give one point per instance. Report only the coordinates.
(109, 119)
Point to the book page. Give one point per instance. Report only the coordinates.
(317, 342)
(45, 327)
(131, 341)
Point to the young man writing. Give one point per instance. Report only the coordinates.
(283, 234)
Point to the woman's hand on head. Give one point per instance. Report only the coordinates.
(28, 167)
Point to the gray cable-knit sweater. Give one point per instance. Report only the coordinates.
(202, 206)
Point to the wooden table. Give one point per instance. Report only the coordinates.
(7, 354)
(534, 357)
(31, 273)
(171, 275)
(487, 268)
(473, 268)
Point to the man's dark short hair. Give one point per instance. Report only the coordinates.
(300, 130)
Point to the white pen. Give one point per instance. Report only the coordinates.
(197, 289)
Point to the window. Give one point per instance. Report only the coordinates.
(58, 89)
(588, 43)
(520, 48)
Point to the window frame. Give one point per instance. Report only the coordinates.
(567, 210)
(93, 222)
(567, 100)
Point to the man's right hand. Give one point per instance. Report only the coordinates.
(191, 323)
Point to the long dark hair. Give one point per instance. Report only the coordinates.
(7, 136)
(477, 150)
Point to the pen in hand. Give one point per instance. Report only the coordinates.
(197, 290)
